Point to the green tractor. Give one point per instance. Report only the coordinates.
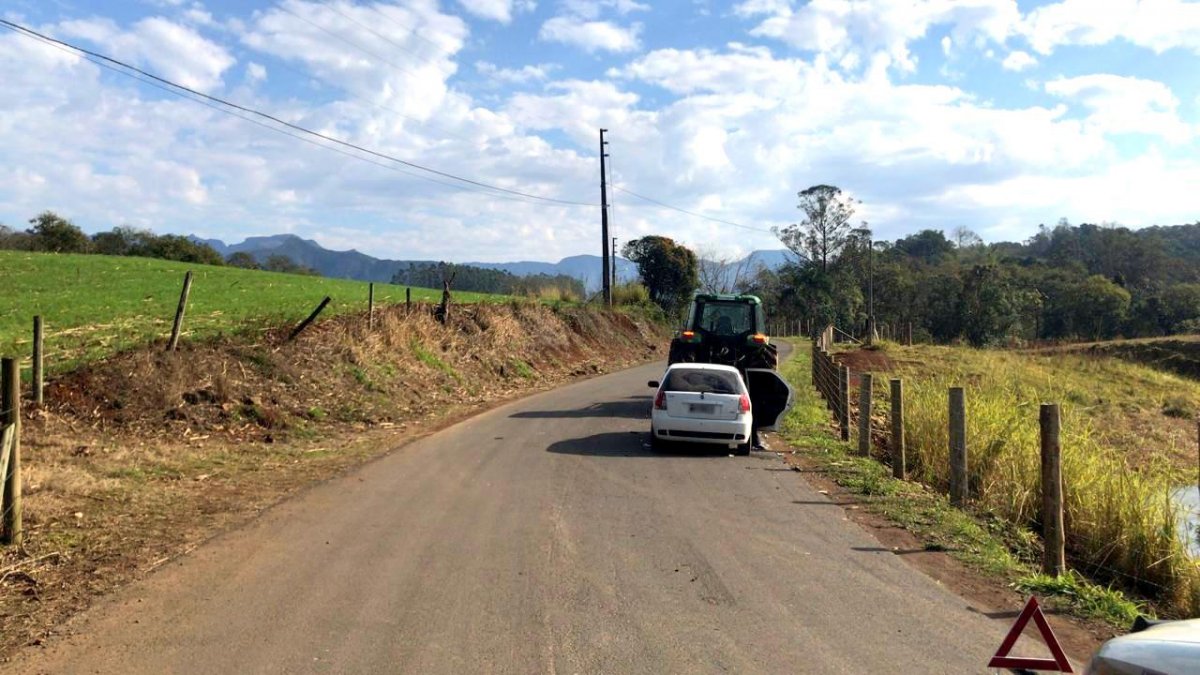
(731, 330)
(725, 329)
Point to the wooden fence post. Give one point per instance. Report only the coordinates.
(311, 317)
(38, 335)
(178, 325)
(371, 305)
(407, 300)
(959, 490)
(10, 406)
(827, 376)
(812, 362)
(1054, 558)
(908, 335)
(864, 414)
(899, 470)
(844, 401)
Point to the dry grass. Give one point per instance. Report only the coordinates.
(1121, 454)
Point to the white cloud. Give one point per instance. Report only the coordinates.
(1018, 60)
(256, 72)
(1157, 25)
(522, 75)
(868, 29)
(171, 50)
(591, 35)
(1120, 104)
(495, 10)
(731, 130)
(401, 62)
(1116, 193)
(591, 9)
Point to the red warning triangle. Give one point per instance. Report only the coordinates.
(1058, 664)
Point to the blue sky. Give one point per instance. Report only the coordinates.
(988, 114)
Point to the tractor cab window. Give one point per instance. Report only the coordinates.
(726, 318)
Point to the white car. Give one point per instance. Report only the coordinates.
(702, 403)
(1151, 648)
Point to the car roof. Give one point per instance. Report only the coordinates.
(703, 366)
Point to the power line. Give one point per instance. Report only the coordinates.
(376, 33)
(412, 28)
(285, 132)
(692, 213)
(348, 41)
(177, 88)
(282, 63)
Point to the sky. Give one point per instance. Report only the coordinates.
(994, 115)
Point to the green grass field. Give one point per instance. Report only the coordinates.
(93, 305)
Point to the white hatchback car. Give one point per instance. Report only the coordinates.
(702, 403)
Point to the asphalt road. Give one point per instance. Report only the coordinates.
(541, 537)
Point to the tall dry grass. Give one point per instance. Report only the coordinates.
(1121, 522)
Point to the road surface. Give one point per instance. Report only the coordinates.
(541, 537)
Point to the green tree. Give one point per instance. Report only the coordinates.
(668, 270)
(175, 247)
(56, 234)
(243, 260)
(1180, 307)
(281, 263)
(819, 238)
(1097, 307)
(117, 241)
(990, 306)
(929, 246)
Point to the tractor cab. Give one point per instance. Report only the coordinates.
(730, 330)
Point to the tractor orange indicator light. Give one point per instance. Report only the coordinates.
(689, 333)
(759, 338)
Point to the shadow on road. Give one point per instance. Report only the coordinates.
(626, 444)
(898, 551)
(635, 407)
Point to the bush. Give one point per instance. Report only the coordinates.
(630, 293)
(55, 234)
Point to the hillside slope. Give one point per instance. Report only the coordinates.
(95, 304)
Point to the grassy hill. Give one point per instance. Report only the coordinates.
(94, 304)
(1179, 354)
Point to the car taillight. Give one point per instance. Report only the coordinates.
(660, 401)
(744, 404)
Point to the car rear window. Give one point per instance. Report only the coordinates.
(708, 381)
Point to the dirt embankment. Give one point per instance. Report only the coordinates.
(140, 457)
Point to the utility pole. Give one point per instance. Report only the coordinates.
(614, 263)
(870, 288)
(604, 276)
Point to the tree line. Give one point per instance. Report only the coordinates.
(484, 280)
(51, 233)
(1068, 281)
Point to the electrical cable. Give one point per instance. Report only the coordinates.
(251, 111)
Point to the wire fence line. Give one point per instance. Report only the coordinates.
(1089, 556)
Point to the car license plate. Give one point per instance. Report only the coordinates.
(705, 408)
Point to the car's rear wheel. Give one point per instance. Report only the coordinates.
(742, 449)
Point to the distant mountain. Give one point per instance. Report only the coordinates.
(771, 260)
(586, 268)
(355, 265)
